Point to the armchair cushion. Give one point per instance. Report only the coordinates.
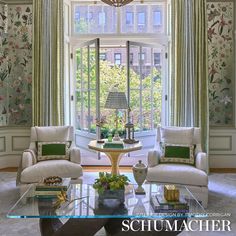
(53, 134)
(177, 153)
(42, 169)
(173, 134)
(177, 174)
(53, 150)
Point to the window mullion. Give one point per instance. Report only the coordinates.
(119, 21)
(82, 94)
(152, 68)
(140, 91)
(89, 112)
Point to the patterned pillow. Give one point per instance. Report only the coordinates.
(177, 153)
(53, 150)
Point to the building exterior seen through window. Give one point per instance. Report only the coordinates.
(97, 19)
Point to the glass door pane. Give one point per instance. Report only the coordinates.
(144, 85)
(87, 87)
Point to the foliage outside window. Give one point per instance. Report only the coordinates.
(110, 76)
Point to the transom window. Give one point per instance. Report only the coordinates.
(141, 18)
(129, 18)
(135, 18)
(157, 18)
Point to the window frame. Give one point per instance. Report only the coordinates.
(105, 56)
(104, 17)
(132, 18)
(153, 20)
(120, 59)
(141, 24)
(159, 59)
(157, 35)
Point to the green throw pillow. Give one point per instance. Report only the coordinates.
(53, 150)
(177, 153)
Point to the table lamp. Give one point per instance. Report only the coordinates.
(116, 100)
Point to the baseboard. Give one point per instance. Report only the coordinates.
(124, 168)
(222, 170)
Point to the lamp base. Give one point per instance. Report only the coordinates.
(130, 141)
(116, 137)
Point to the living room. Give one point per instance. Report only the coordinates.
(122, 83)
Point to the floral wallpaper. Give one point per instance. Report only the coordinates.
(221, 57)
(16, 71)
(3, 65)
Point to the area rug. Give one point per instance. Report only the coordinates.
(222, 199)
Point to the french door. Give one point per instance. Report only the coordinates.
(87, 88)
(142, 82)
(144, 85)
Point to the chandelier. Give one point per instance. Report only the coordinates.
(117, 3)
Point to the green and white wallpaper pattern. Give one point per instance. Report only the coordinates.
(221, 62)
(16, 65)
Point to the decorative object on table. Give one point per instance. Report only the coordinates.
(139, 208)
(160, 205)
(129, 128)
(109, 137)
(140, 173)
(111, 187)
(100, 123)
(52, 180)
(171, 193)
(51, 187)
(62, 198)
(116, 100)
(117, 3)
(115, 144)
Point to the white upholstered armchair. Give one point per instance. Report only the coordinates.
(194, 177)
(32, 169)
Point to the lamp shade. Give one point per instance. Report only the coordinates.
(116, 100)
(117, 3)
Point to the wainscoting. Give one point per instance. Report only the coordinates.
(222, 148)
(12, 143)
(13, 140)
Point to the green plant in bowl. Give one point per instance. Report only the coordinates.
(107, 181)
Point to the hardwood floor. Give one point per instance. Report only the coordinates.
(124, 169)
(85, 168)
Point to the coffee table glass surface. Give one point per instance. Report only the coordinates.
(83, 203)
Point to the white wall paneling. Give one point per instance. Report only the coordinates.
(12, 143)
(222, 148)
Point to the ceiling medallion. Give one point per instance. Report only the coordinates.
(117, 3)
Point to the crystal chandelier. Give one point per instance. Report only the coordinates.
(117, 3)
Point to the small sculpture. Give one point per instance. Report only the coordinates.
(129, 127)
(140, 173)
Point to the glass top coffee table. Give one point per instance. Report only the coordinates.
(85, 213)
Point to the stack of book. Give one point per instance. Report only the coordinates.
(44, 191)
(114, 144)
(161, 205)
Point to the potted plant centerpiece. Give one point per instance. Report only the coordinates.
(111, 186)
